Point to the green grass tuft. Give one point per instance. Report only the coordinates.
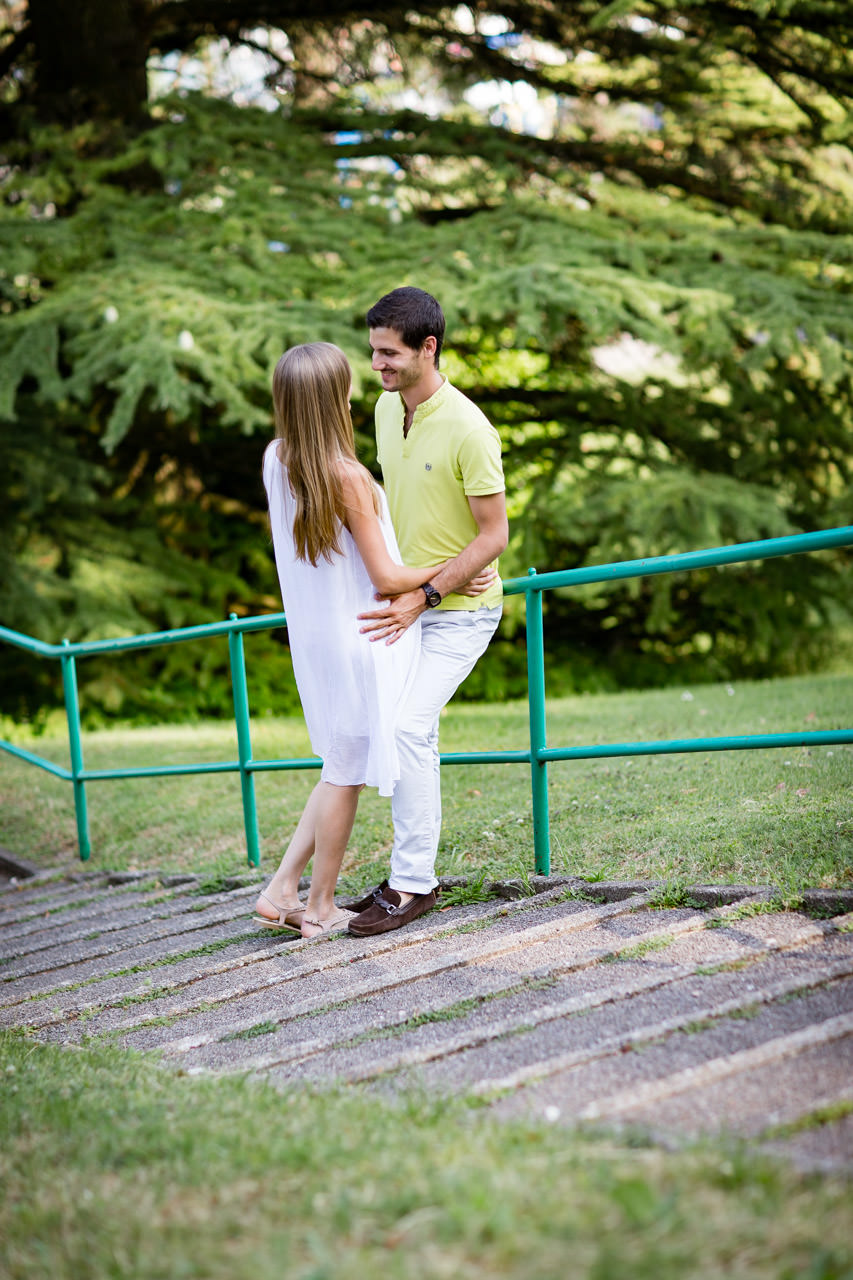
(251, 1033)
(476, 890)
(674, 895)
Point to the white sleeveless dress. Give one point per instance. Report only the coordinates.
(351, 689)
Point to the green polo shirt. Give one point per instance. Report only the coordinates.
(452, 452)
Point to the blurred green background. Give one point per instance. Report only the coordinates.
(637, 219)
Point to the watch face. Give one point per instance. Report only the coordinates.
(432, 596)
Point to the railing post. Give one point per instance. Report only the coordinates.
(538, 742)
(75, 744)
(244, 743)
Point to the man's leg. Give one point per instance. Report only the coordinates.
(451, 643)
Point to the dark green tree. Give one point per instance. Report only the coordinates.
(651, 297)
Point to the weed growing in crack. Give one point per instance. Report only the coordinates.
(252, 1033)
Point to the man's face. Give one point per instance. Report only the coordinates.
(399, 366)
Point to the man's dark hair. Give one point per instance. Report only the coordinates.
(412, 313)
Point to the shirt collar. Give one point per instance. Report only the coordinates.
(435, 401)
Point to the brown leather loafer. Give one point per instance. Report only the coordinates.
(361, 904)
(386, 912)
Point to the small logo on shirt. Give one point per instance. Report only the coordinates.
(427, 466)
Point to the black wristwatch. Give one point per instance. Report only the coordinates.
(432, 596)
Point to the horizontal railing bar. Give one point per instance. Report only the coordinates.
(85, 648)
(259, 622)
(259, 766)
(159, 771)
(486, 757)
(21, 641)
(745, 742)
(156, 638)
(30, 758)
(740, 552)
(457, 757)
(664, 747)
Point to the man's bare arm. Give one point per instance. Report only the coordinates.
(391, 620)
(492, 536)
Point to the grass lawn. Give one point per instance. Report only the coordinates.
(775, 816)
(114, 1168)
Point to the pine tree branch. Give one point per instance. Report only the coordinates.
(491, 63)
(813, 63)
(265, 49)
(178, 24)
(817, 118)
(654, 170)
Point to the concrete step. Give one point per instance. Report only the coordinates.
(743, 1078)
(451, 961)
(812, 1142)
(123, 955)
(477, 1009)
(210, 961)
(110, 908)
(483, 972)
(74, 971)
(111, 920)
(23, 899)
(499, 1047)
(735, 1018)
(226, 947)
(820, 1051)
(92, 940)
(16, 895)
(601, 931)
(360, 967)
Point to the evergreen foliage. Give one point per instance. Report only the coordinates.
(652, 303)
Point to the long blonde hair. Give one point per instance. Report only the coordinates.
(311, 388)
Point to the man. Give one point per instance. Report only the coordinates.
(441, 463)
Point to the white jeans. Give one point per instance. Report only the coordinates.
(451, 642)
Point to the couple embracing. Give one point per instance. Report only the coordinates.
(374, 677)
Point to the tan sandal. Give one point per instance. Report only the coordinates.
(335, 925)
(289, 918)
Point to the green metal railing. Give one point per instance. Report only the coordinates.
(538, 756)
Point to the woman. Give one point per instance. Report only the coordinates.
(334, 550)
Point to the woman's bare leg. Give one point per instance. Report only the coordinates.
(322, 832)
(333, 820)
(284, 886)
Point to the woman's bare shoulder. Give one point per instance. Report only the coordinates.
(355, 479)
